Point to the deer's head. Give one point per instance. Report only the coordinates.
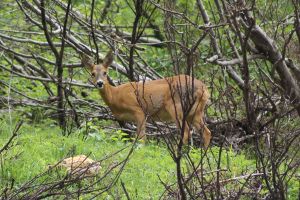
(98, 72)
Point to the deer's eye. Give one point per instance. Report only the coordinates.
(93, 74)
(104, 73)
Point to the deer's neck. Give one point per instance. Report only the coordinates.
(107, 94)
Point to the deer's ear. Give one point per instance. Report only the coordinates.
(107, 61)
(87, 61)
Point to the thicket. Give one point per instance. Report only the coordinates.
(247, 53)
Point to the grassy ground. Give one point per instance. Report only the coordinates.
(37, 146)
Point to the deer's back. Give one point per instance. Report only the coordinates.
(152, 97)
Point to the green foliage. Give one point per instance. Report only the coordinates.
(41, 143)
(39, 146)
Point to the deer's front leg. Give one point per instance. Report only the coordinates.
(141, 126)
(177, 117)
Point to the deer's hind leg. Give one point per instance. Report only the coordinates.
(197, 122)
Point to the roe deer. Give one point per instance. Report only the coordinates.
(161, 100)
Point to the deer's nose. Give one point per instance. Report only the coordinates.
(100, 84)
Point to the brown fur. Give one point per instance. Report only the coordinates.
(161, 100)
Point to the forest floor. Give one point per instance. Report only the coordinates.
(39, 145)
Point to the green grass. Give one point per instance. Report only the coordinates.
(37, 146)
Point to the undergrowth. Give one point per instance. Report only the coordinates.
(39, 145)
